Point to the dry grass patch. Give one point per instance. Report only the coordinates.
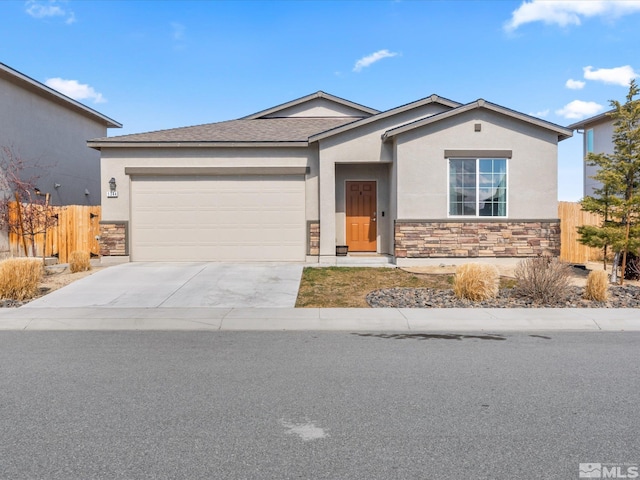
(476, 281)
(79, 261)
(347, 287)
(19, 278)
(597, 288)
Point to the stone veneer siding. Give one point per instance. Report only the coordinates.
(446, 238)
(113, 238)
(314, 237)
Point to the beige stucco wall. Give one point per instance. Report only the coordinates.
(44, 132)
(422, 169)
(363, 144)
(115, 160)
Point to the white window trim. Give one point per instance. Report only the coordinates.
(477, 159)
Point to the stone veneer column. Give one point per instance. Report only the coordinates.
(314, 238)
(114, 238)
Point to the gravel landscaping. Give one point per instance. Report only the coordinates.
(626, 296)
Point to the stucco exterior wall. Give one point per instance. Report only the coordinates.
(602, 143)
(114, 162)
(43, 132)
(363, 144)
(422, 169)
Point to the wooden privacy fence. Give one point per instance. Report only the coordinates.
(571, 217)
(76, 228)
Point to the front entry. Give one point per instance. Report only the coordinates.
(361, 216)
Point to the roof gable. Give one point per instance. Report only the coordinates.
(50, 94)
(319, 104)
(563, 133)
(386, 114)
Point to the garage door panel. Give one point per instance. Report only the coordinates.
(218, 218)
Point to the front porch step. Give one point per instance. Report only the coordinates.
(365, 260)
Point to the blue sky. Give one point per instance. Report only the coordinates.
(163, 64)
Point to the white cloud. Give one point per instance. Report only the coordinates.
(178, 30)
(575, 84)
(579, 109)
(568, 12)
(50, 8)
(540, 114)
(75, 90)
(615, 76)
(373, 58)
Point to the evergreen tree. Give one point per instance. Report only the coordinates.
(618, 198)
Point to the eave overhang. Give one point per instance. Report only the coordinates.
(99, 145)
(54, 96)
(582, 124)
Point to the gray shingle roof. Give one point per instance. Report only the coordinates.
(293, 129)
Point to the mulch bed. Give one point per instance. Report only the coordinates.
(626, 296)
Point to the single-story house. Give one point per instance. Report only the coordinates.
(597, 138)
(430, 179)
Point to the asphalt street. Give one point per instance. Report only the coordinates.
(337, 405)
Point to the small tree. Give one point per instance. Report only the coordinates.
(24, 210)
(618, 200)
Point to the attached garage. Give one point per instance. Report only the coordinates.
(249, 217)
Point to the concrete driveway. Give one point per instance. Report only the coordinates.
(181, 285)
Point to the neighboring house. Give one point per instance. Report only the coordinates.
(44, 127)
(430, 179)
(597, 138)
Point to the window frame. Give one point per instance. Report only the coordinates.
(477, 187)
(588, 137)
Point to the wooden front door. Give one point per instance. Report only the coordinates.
(361, 216)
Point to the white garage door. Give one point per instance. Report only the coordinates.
(218, 218)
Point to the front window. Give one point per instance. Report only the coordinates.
(590, 140)
(478, 187)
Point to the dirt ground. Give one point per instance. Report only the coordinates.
(58, 276)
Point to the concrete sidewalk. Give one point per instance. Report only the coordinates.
(322, 319)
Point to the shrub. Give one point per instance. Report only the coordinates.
(79, 261)
(19, 278)
(632, 268)
(597, 286)
(542, 279)
(476, 281)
